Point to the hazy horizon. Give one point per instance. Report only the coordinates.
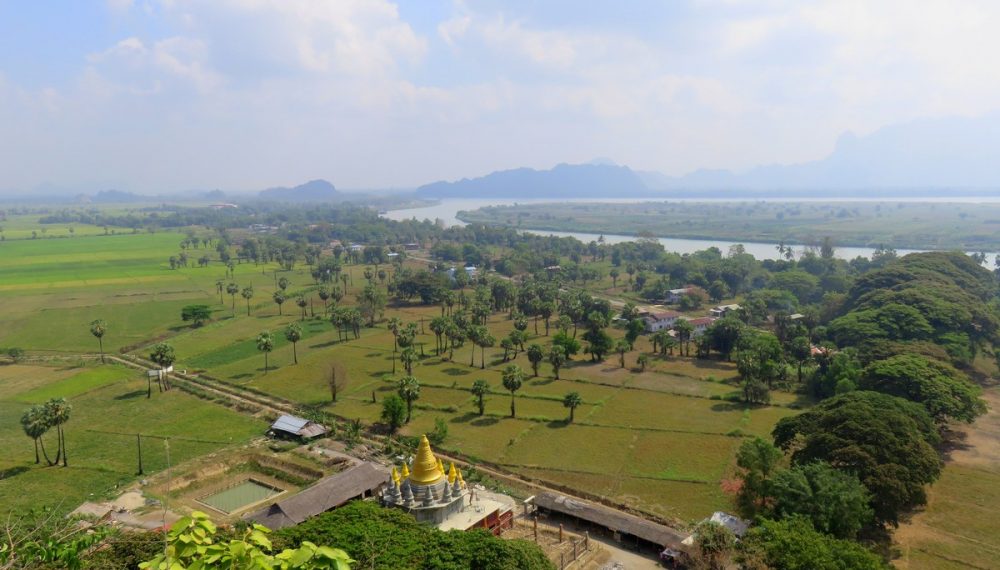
(166, 96)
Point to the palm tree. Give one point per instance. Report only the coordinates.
(485, 341)
(57, 411)
(302, 303)
(642, 361)
(407, 357)
(535, 355)
(34, 423)
(324, 295)
(684, 331)
(233, 289)
(247, 293)
(572, 401)
(621, 347)
(220, 286)
(97, 328)
(265, 344)
(409, 391)
(479, 389)
(513, 377)
(395, 325)
(279, 298)
(557, 357)
(293, 334)
(283, 283)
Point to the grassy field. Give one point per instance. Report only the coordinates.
(957, 529)
(670, 427)
(918, 225)
(109, 408)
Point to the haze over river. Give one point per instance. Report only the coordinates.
(447, 210)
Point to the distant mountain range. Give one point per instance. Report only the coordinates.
(911, 159)
(312, 191)
(564, 181)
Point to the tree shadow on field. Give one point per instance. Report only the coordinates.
(326, 344)
(454, 371)
(729, 407)
(556, 424)
(464, 418)
(241, 376)
(483, 422)
(541, 381)
(131, 395)
(13, 472)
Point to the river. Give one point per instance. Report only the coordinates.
(447, 211)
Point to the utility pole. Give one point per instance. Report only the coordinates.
(138, 445)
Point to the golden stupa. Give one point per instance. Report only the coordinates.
(427, 469)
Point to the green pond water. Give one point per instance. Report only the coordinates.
(241, 495)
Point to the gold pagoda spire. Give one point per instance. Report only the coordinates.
(395, 476)
(452, 474)
(441, 466)
(405, 471)
(427, 469)
(461, 481)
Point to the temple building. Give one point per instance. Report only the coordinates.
(440, 497)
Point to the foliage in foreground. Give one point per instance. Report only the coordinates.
(793, 544)
(192, 546)
(387, 538)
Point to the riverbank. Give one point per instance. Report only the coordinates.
(964, 226)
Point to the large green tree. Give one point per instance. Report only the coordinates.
(887, 441)
(834, 501)
(572, 401)
(793, 544)
(944, 391)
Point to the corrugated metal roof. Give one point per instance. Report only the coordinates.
(291, 424)
(327, 493)
(610, 518)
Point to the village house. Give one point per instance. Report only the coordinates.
(674, 295)
(660, 320)
(700, 325)
(722, 310)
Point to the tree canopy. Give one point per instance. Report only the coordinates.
(887, 441)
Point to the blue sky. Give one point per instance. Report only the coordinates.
(161, 95)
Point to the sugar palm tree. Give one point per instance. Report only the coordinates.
(479, 389)
(485, 341)
(513, 378)
(163, 355)
(302, 303)
(265, 344)
(98, 328)
(279, 299)
(557, 357)
(572, 401)
(57, 412)
(535, 355)
(409, 391)
(395, 325)
(35, 424)
(621, 347)
(247, 293)
(293, 334)
(233, 289)
(407, 357)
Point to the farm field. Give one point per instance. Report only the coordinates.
(955, 529)
(918, 225)
(676, 409)
(109, 408)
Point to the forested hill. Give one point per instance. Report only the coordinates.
(312, 191)
(564, 181)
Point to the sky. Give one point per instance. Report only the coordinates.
(156, 96)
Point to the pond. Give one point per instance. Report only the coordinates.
(234, 498)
